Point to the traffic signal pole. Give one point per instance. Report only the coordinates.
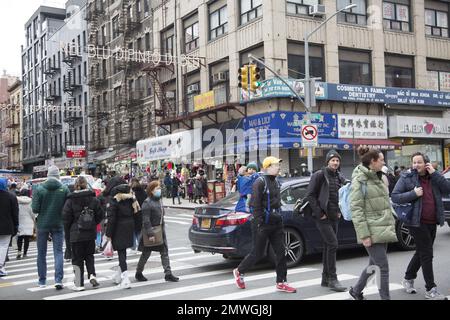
(306, 101)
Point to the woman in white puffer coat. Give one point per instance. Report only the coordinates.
(26, 222)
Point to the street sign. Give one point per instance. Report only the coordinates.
(310, 136)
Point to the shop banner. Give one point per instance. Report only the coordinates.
(171, 146)
(204, 101)
(76, 152)
(362, 127)
(352, 93)
(290, 123)
(419, 127)
(275, 88)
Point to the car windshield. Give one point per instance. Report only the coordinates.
(67, 181)
(229, 200)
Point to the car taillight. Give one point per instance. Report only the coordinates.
(195, 221)
(233, 219)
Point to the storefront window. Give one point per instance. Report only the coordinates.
(402, 157)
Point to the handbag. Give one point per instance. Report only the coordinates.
(157, 234)
(404, 212)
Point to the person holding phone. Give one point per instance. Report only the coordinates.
(423, 186)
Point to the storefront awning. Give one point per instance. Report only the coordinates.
(292, 143)
(381, 144)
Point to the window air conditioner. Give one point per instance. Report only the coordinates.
(193, 88)
(220, 76)
(317, 10)
(170, 94)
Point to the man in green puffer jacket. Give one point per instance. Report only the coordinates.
(48, 203)
(372, 216)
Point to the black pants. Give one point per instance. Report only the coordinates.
(275, 235)
(328, 230)
(423, 257)
(123, 259)
(23, 240)
(83, 252)
(164, 253)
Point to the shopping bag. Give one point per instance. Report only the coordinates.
(108, 251)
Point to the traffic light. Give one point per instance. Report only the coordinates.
(255, 75)
(243, 78)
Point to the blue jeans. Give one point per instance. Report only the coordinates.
(57, 239)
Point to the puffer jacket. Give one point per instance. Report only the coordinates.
(372, 213)
(120, 218)
(152, 214)
(404, 193)
(75, 203)
(26, 216)
(48, 203)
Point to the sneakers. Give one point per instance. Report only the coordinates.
(409, 286)
(3, 272)
(19, 256)
(140, 277)
(77, 289)
(335, 285)
(283, 286)
(355, 295)
(171, 278)
(433, 294)
(117, 275)
(239, 279)
(93, 281)
(125, 283)
(59, 286)
(42, 285)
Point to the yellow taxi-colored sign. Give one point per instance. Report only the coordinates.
(204, 101)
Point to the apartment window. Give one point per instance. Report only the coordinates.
(218, 23)
(191, 35)
(146, 8)
(438, 75)
(168, 45)
(354, 67)
(396, 15)
(299, 6)
(399, 71)
(115, 26)
(436, 23)
(296, 61)
(147, 41)
(139, 44)
(357, 15)
(250, 9)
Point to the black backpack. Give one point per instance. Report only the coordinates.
(86, 219)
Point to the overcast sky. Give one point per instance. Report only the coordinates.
(13, 16)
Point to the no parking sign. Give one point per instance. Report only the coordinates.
(310, 136)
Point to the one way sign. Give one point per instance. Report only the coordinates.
(309, 136)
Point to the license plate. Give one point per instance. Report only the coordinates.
(206, 223)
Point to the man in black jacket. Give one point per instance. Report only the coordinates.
(9, 221)
(323, 196)
(266, 204)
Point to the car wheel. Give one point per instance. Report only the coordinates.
(405, 239)
(294, 248)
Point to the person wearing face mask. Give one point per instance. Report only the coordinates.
(152, 210)
(323, 196)
(373, 219)
(266, 204)
(423, 187)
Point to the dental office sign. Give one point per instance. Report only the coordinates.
(419, 127)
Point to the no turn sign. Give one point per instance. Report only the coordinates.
(309, 136)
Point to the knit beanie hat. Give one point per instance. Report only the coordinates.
(332, 154)
(53, 172)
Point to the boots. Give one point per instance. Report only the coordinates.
(324, 282)
(117, 275)
(125, 283)
(170, 277)
(335, 285)
(19, 255)
(140, 277)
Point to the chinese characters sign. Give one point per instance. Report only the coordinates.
(362, 127)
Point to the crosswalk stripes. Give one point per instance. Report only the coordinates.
(367, 291)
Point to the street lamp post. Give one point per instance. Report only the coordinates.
(308, 79)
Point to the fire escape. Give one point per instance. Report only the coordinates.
(97, 80)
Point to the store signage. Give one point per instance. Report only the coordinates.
(416, 127)
(352, 93)
(75, 152)
(362, 127)
(275, 88)
(204, 101)
(290, 123)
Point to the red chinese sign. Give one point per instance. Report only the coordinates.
(74, 152)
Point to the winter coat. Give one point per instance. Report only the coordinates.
(75, 204)
(372, 213)
(26, 216)
(259, 200)
(9, 214)
(204, 187)
(152, 212)
(198, 188)
(120, 218)
(175, 185)
(48, 203)
(404, 193)
(318, 192)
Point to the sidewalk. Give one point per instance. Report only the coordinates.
(185, 204)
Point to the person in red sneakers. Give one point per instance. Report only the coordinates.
(268, 224)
